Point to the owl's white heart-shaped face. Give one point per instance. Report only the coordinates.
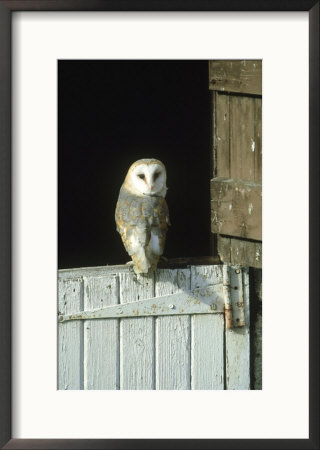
(147, 177)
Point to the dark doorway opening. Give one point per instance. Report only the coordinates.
(111, 113)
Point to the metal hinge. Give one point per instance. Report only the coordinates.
(226, 297)
(208, 300)
(233, 297)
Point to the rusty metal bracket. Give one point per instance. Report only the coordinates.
(233, 297)
(226, 297)
(207, 300)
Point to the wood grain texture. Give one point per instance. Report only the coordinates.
(237, 137)
(207, 340)
(70, 336)
(101, 337)
(242, 76)
(238, 339)
(222, 135)
(180, 352)
(224, 249)
(97, 271)
(137, 364)
(171, 263)
(240, 252)
(242, 137)
(258, 140)
(236, 208)
(246, 253)
(237, 154)
(173, 365)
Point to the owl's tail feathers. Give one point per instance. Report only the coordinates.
(141, 262)
(154, 263)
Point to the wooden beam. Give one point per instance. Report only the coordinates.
(241, 76)
(236, 208)
(240, 252)
(171, 263)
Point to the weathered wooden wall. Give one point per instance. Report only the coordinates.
(236, 208)
(236, 187)
(244, 77)
(192, 351)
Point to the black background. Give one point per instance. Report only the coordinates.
(111, 113)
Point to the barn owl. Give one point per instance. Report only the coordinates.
(142, 214)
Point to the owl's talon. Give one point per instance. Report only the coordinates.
(138, 278)
(135, 278)
(131, 269)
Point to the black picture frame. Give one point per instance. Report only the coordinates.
(7, 7)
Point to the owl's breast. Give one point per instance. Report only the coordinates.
(144, 211)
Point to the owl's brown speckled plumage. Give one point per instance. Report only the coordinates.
(142, 214)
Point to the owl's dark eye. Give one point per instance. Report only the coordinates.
(141, 175)
(156, 175)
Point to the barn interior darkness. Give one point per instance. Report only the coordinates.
(111, 113)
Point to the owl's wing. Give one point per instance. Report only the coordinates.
(165, 212)
(159, 228)
(135, 235)
(142, 224)
(131, 222)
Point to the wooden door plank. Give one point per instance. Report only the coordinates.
(222, 136)
(238, 339)
(236, 208)
(172, 334)
(242, 138)
(98, 271)
(70, 335)
(258, 140)
(224, 249)
(207, 348)
(137, 348)
(246, 253)
(239, 252)
(101, 337)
